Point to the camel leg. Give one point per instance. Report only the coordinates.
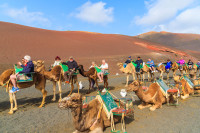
(154, 107)
(127, 79)
(167, 76)
(11, 103)
(161, 75)
(72, 87)
(54, 91)
(133, 76)
(143, 105)
(184, 96)
(15, 101)
(90, 83)
(174, 73)
(44, 93)
(148, 73)
(97, 130)
(76, 81)
(143, 77)
(97, 83)
(60, 90)
(105, 78)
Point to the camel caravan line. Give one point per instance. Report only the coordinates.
(105, 109)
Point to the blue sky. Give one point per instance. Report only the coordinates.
(128, 17)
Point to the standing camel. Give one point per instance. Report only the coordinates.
(175, 67)
(38, 80)
(147, 70)
(91, 74)
(128, 70)
(56, 76)
(162, 70)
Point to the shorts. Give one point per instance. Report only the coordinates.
(104, 71)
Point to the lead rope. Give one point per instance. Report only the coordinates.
(112, 123)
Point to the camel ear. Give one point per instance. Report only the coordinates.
(141, 83)
(42, 62)
(34, 62)
(83, 98)
(136, 83)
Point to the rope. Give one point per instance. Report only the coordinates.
(98, 116)
(123, 123)
(112, 123)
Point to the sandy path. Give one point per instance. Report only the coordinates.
(182, 119)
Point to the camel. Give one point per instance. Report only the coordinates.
(162, 70)
(93, 119)
(130, 69)
(185, 88)
(175, 67)
(38, 80)
(147, 70)
(56, 76)
(152, 95)
(92, 77)
(195, 81)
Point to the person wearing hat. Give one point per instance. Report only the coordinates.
(72, 65)
(127, 61)
(27, 66)
(57, 61)
(139, 62)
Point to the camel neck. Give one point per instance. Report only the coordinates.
(82, 71)
(140, 93)
(77, 117)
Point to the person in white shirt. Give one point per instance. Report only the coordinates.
(104, 69)
(57, 61)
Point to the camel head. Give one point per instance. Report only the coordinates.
(38, 63)
(134, 86)
(80, 67)
(177, 79)
(73, 101)
(174, 65)
(192, 73)
(120, 65)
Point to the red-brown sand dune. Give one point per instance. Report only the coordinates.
(17, 40)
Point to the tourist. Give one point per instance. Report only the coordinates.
(28, 67)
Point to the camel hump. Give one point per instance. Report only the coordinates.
(5, 76)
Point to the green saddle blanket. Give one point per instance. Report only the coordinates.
(108, 101)
(99, 70)
(17, 69)
(183, 65)
(65, 68)
(189, 81)
(135, 65)
(27, 77)
(164, 88)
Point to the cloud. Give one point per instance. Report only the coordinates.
(187, 21)
(161, 10)
(22, 15)
(180, 16)
(95, 13)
